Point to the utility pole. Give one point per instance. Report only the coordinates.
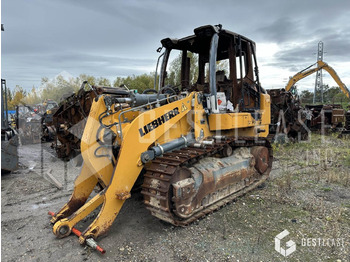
(318, 81)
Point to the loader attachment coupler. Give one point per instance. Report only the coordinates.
(90, 242)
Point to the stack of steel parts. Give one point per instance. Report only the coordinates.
(289, 120)
(347, 121)
(345, 133)
(327, 118)
(34, 122)
(70, 118)
(48, 128)
(28, 125)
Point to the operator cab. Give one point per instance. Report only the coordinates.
(220, 63)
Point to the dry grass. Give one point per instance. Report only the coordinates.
(325, 159)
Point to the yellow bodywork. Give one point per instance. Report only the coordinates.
(136, 133)
(243, 124)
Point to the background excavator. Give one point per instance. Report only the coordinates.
(290, 118)
(196, 146)
(309, 70)
(330, 116)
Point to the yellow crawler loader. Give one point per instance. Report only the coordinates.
(197, 145)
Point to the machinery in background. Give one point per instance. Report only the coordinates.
(28, 124)
(48, 128)
(34, 123)
(197, 145)
(289, 120)
(9, 137)
(309, 70)
(347, 123)
(285, 107)
(327, 117)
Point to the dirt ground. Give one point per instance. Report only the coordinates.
(307, 194)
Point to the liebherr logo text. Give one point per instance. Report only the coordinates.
(159, 121)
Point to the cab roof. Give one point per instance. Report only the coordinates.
(200, 41)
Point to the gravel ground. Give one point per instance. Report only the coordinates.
(307, 195)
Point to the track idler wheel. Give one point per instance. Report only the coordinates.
(262, 158)
(227, 151)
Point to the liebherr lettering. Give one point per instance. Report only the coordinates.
(159, 121)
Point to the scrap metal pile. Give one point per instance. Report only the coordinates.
(34, 123)
(28, 125)
(48, 129)
(70, 118)
(347, 122)
(346, 130)
(327, 117)
(288, 117)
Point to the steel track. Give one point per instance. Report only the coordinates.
(159, 174)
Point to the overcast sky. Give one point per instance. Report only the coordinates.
(119, 38)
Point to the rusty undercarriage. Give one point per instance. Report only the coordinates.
(181, 186)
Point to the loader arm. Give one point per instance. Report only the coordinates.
(120, 179)
(320, 65)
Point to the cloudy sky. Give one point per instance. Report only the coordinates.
(119, 38)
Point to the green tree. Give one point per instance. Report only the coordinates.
(9, 98)
(9, 94)
(32, 97)
(118, 81)
(90, 79)
(223, 65)
(174, 74)
(140, 82)
(306, 97)
(101, 81)
(334, 95)
(18, 95)
(57, 88)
